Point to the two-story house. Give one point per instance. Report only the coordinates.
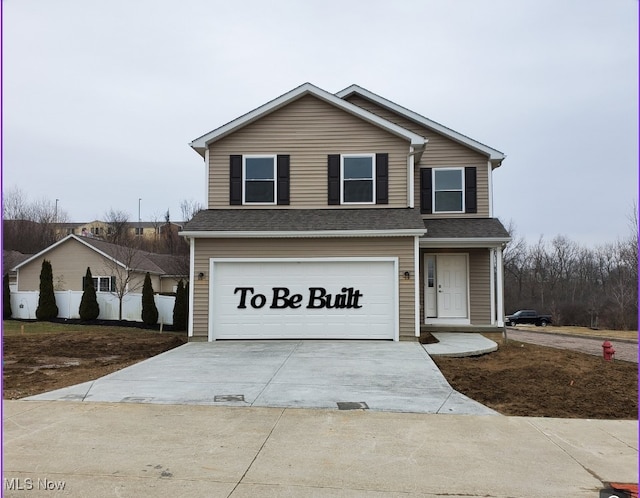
(343, 216)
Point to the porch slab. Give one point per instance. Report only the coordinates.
(460, 344)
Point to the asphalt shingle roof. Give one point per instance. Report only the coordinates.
(139, 260)
(454, 228)
(265, 220)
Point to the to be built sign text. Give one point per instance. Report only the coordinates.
(317, 298)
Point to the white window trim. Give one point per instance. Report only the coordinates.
(373, 178)
(97, 287)
(433, 197)
(275, 179)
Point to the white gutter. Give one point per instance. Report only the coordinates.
(465, 242)
(247, 234)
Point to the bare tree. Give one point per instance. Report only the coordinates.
(124, 269)
(15, 205)
(117, 226)
(30, 226)
(189, 208)
(578, 285)
(515, 261)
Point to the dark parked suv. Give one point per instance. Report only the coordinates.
(528, 316)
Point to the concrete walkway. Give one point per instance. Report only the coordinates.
(460, 344)
(379, 375)
(140, 450)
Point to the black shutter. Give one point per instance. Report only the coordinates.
(113, 284)
(235, 180)
(333, 179)
(425, 191)
(84, 283)
(382, 178)
(283, 180)
(470, 190)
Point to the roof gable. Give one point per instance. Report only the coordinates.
(495, 156)
(200, 144)
(143, 261)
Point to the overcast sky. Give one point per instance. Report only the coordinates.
(102, 97)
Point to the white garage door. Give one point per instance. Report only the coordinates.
(305, 298)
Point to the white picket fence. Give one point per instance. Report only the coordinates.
(25, 303)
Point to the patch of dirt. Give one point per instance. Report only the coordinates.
(518, 379)
(529, 380)
(40, 363)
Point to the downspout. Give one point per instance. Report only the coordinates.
(206, 178)
(411, 174)
(500, 287)
(192, 254)
(416, 279)
(492, 279)
(490, 182)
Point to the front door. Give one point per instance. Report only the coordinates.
(445, 286)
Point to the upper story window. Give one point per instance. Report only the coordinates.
(259, 174)
(358, 178)
(448, 188)
(258, 179)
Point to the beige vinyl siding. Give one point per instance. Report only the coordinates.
(400, 247)
(308, 129)
(479, 283)
(167, 284)
(480, 287)
(69, 263)
(440, 152)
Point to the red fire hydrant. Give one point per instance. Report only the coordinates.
(608, 351)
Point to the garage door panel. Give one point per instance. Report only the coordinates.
(288, 299)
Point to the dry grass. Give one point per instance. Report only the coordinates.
(631, 335)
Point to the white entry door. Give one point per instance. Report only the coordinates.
(445, 287)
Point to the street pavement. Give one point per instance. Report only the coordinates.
(625, 350)
(140, 450)
(156, 429)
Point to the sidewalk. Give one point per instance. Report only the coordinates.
(125, 449)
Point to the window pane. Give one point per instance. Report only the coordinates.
(448, 180)
(259, 192)
(95, 283)
(358, 191)
(358, 167)
(259, 168)
(448, 201)
(104, 285)
(431, 274)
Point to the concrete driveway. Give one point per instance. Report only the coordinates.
(378, 375)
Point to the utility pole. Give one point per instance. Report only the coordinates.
(139, 201)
